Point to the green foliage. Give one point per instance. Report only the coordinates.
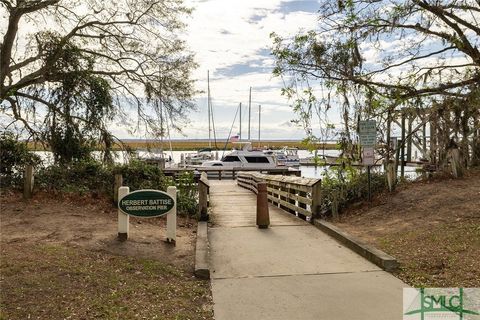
(14, 156)
(89, 176)
(81, 103)
(82, 176)
(188, 193)
(140, 175)
(349, 185)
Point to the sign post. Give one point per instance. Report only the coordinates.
(147, 204)
(367, 131)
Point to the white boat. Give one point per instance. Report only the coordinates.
(245, 157)
(287, 157)
(195, 159)
(155, 157)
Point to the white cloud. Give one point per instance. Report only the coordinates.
(224, 34)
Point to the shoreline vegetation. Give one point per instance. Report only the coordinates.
(197, 144)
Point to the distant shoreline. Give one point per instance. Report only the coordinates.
(197, 144)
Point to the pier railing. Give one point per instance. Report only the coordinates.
(296, 195)
(229, 173)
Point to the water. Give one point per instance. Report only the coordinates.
(121, 157)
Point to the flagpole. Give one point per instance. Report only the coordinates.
(259, 118)
(208, 106)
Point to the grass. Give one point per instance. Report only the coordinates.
(445, 255)
(50, 281)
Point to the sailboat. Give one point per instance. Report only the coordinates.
(157, 156)
(205, 154)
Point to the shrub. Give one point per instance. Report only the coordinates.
(82, 176)
(349, 185)
(14, 156)
(92, 176)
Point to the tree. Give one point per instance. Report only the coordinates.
(374, 58)
(416, 47)
(87, 62)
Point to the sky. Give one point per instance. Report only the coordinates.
(231, 39)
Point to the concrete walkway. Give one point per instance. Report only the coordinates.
(291, 270)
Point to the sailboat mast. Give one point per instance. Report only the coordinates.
(240, 120)
(208, 107)
(249, 111)
(161, 115)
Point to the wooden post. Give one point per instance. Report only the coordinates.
(263, 217)
(290, 192)
(389, 143)
(335, 206)
(219, 174)
(409, 139)
(402, 150)
(284, 189)
(433, 142)
(123, 219)
(28, 182)
(424, 140)
(117, 184)
(316, 200)
(172, 217)
(391, 175)
(203, 187)
(456, 161)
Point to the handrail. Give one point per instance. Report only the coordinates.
(297, 195)
(230, 172)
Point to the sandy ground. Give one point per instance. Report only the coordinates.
(53, 243)
(92, 223)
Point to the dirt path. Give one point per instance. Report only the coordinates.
(433, 228)
(54, 243)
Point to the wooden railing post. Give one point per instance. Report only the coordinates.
(28, 182)
(203, 188)
(316, 200)
(263, 218)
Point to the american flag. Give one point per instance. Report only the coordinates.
(234, 138)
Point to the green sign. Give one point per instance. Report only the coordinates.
(146, 203)
(367, 131)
